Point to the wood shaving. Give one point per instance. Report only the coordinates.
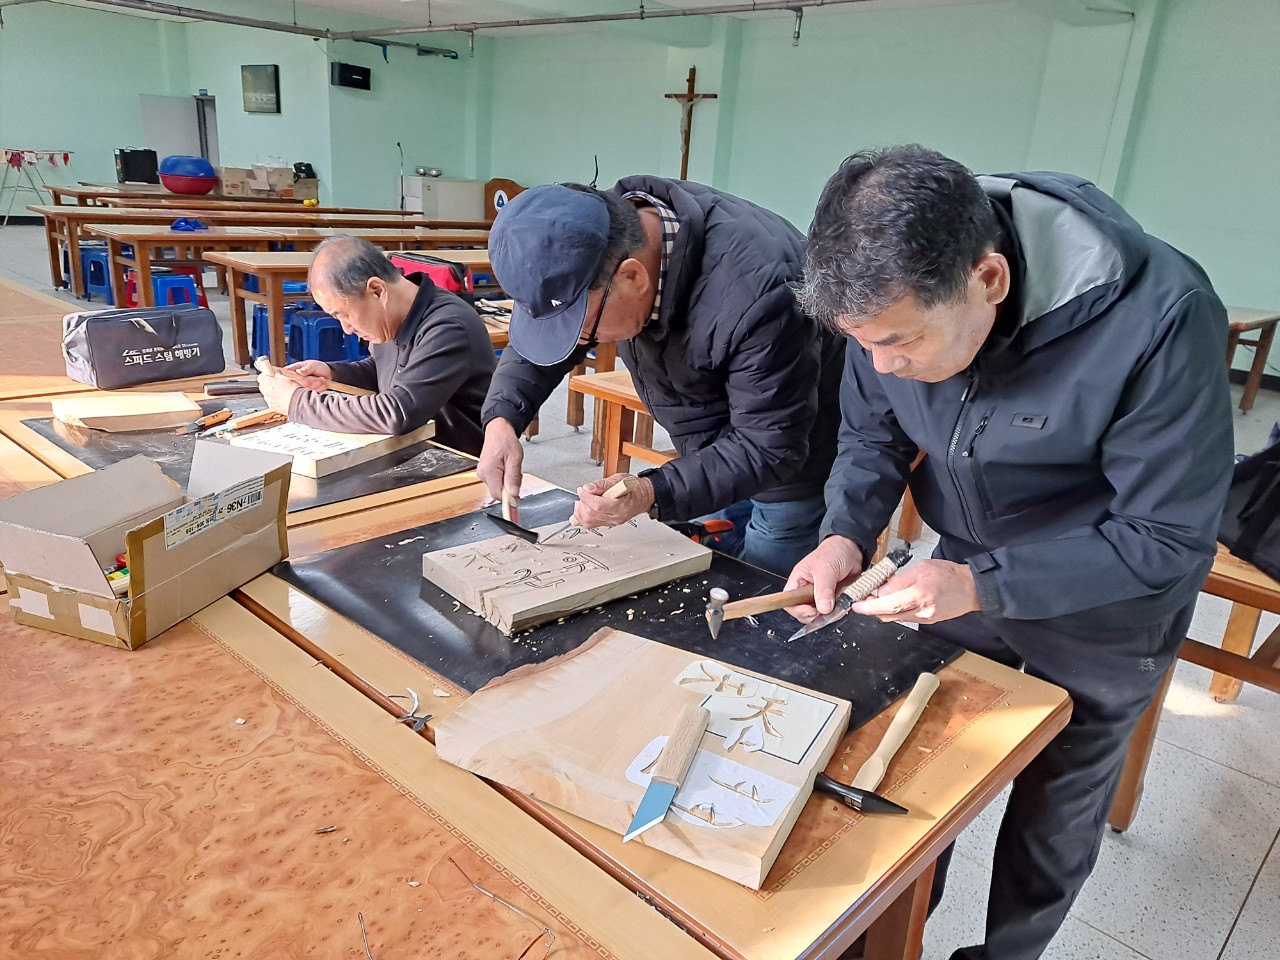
(240, 720)
(441, 692)
(324, 829)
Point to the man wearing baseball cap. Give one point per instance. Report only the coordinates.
(694, 286)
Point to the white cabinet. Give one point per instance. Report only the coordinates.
(441, 199)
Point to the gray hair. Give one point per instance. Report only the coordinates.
(344, 265)
(892, 222)
(626, 233)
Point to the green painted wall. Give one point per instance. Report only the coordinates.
(300, 131)
(1201, 170)
(423, 102)
(61, 87)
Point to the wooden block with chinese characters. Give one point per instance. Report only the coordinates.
(582, 733)
(514, 584)
(318, 453)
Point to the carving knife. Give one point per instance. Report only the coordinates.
(872, 772)
(858, 591)
(673, 764)
(864, 801)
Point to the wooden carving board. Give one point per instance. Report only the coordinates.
(119, 412)
(580, 731)
(515, 584)
(318, 453)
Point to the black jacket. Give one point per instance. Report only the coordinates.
(1080, 465)
(745, 383)
(438, 366)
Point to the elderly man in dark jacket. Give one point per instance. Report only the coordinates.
(1062, 372)
(694, 285)
(430, 356)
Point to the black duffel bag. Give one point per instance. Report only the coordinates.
(1251, 520)
(110, 349)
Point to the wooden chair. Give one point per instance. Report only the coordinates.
(1251, 591)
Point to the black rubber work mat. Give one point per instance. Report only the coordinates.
(378, 584)
(98, 449)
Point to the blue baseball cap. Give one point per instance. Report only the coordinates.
(546, 247)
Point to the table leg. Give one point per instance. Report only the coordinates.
(275, 314)
(239, 321)
(142, 254)
(575, 415)
(55, 261)
(898, 933)
(115, 258)
(1124, 807)
(1242, 625)
(1260, 352)
(619, 424)
(73, 261)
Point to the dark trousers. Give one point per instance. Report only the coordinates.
(1052, 829)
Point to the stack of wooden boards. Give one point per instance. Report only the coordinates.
(582, 733)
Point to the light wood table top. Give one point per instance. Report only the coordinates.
(292, 261)
(838, 870)
(214, 793)
(1251, 317)
(62, 464)
(160, 234)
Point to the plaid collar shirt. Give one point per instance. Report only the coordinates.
(670, 227)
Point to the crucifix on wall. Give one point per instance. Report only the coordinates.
(687, 100)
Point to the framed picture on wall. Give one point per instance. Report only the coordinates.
(261, 85)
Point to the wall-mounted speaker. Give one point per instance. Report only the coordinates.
(350, 75)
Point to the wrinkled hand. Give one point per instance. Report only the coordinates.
(925, 592)
(596, 510)
(277, 390)
(835, 561)
(312, 374)
(501, 459)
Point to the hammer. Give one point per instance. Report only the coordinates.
(719, 611)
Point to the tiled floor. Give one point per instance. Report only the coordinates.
(1197, 877)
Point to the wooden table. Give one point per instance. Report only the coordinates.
(1244, 320)
(273, 270)
(214, 794)
(239, 203)
(48, 457)
(624, 428)
(148, 240)
(65, 224)
(839, 874)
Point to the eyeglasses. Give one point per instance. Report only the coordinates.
(590, 339)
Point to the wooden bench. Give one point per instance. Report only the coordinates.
(1251, 591)
(1242, 320)
(624, 424)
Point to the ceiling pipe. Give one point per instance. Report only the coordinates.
(188, 13)
(642, 13)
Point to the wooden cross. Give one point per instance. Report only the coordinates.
(687, 100)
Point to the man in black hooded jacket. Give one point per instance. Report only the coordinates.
(1062, 372)
(694, 285)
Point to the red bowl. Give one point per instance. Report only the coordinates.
(192, 186)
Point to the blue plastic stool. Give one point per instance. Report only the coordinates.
(96, 266)
(166, 288)
(314, 335)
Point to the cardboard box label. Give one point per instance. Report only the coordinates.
(95, 618)
(184, 522)
(35, 604)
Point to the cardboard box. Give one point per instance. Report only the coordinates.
(307, 189)
(183, 552)
(275, 178)
(234, 181)
(127, 410)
